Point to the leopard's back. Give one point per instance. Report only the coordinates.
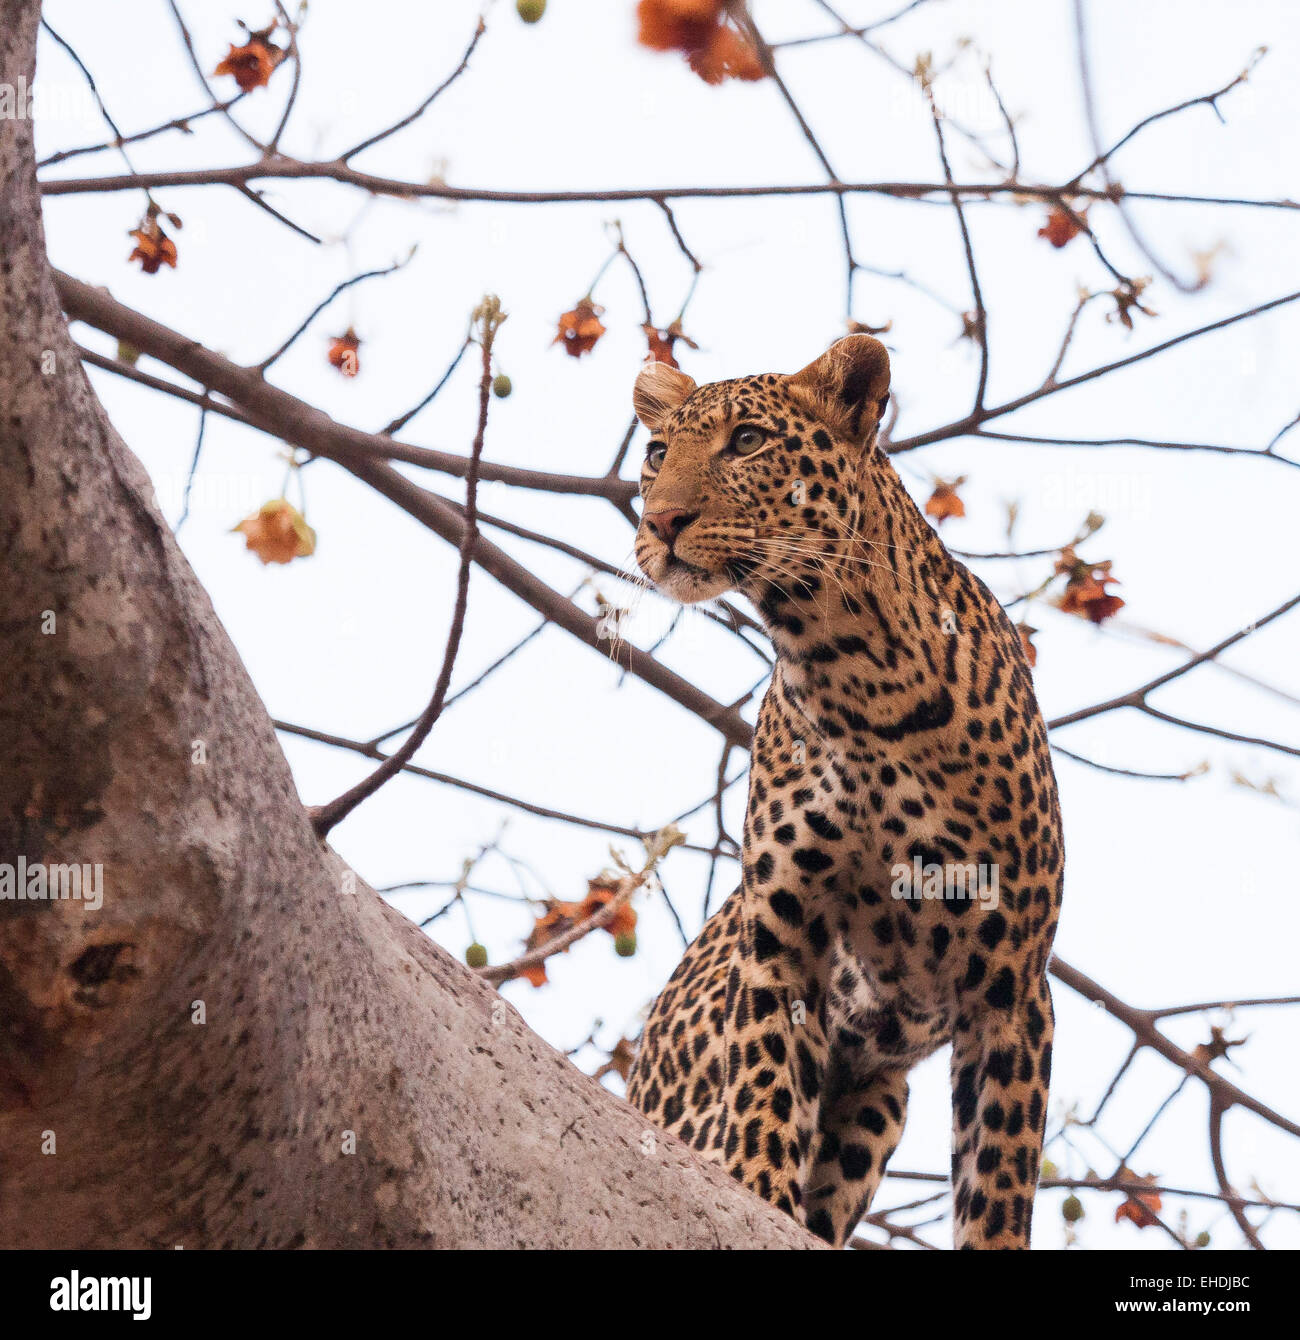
(677, 1077)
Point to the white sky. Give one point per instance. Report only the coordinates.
(1174, 892)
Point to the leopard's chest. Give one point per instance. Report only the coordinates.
(841, 849)
(898, 1007)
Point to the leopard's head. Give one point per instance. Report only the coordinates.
(743, 480)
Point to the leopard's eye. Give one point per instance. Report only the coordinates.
(747, 439)
(654, 455)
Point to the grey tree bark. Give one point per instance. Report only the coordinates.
(184, 1065)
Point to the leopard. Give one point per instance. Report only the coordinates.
(902, 857)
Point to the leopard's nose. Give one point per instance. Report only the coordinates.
(669, 525)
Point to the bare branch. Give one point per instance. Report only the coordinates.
(223, 108)
(479, 30)
(979, 319)
(1146, 1034)
(369, 750)
(290, 169)
(972, 421)
(303, 425)
(488, 318)
(325, 302)
(1129, 772)
(1138, 697)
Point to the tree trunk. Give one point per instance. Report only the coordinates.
(190, 1063)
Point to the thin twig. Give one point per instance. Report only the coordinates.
(366, 750)
(325, 302)
(979, 321)
(479, 30)
(218, 105)
(396, 425)
(194, 465)
(325, 817)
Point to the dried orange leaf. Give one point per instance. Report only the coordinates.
(343, 353)
(944, 502)
(1061, 227)
(153, 248)
(252, 64)
(278, 533)
(579, 329)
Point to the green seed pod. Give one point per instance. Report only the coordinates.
(476, 955)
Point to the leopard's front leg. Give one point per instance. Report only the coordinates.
(1001, 1064)
(775, 1064)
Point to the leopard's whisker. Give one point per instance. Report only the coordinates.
(846, 537)
(800, 546)
(796, 549)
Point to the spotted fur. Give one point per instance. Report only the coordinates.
(900, 725)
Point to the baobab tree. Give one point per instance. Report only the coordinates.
(241, 1042)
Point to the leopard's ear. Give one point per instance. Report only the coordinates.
(848, 386)
(659, 390)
